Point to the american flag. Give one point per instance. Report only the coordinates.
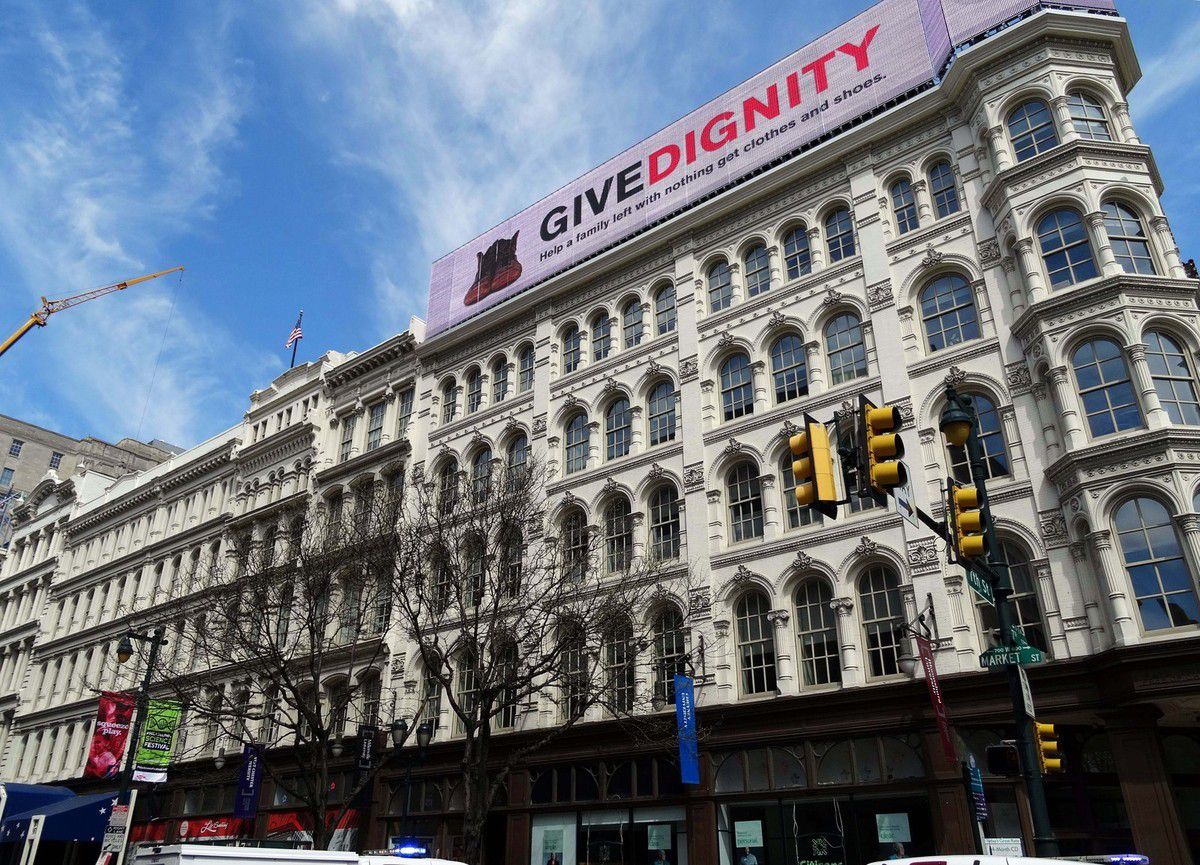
(297, 332)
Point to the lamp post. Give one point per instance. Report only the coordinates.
(400, 731)
(960, 425)
(156, 640)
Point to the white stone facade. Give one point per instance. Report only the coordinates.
(929, 235)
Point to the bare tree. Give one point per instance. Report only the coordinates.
(517, 608)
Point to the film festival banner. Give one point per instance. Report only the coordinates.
(109, 736)
(867, 65)
(925, 650)
(157, 741)
(245, 802)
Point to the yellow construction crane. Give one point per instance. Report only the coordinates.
(49, 307)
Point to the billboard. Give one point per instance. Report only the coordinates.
(853, 70)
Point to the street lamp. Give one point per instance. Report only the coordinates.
(337, 748)
(424, 737)
(124, 649)
(400, 731)
(219, 760)
(124, 652)
(958, 418)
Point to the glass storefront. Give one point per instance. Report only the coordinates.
(610, 836)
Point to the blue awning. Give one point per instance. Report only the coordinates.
(25, 797)
(80, 818)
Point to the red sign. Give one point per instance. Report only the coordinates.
(935, 698)
(210, 829)
(108, 739)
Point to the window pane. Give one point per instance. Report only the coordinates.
(756, 645)
(1031, 129)
(662, 413)
(1066, 249)
(745, 503)
(720, 287)
(883, 619)
(948, 310)
(796, 254)
(737, 387)
(1104, 387)
(1087, 116)
(945, 193)
(846, 349)
(904, 206)
(1158, 573)
(758, 271)
(839, 235)
(664, 310)
(788, 368)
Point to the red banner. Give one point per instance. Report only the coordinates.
(935, 698)
(108, 739)
(211, 828)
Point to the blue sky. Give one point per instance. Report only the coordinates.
(321, 153)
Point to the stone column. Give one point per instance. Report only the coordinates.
(852, 673)
(1112, 580)
(1046, 420)
(1104, 251)
(762, 399)
(637, 437)
(595, 444)
(816, 250)
(785, 668)
(985, 167)
(1189, 529)
(1158, 831)
(816, 367)
(1124, 123)
(775, 268)
(737, 287)
(1156, 415)
(1062, 119)
(772, 525)
(1016, 291)
(924, 202)
(1065, 397)
(724, 672)
(1031, 270)
(998, 148)
(1166, 242)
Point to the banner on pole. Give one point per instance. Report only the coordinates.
(935, 698)
(245, 802)
(109, 736)
(685, 722)
(157, 741)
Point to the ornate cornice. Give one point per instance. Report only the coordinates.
(372, 359)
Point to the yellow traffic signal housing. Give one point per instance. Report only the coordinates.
(883, 446)
(967, 524)
(812, 467)
(1047, 748)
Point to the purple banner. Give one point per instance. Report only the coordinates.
(245, 802)
(851, 71)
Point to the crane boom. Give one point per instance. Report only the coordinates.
(49, 307)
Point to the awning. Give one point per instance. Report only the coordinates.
(80, 818)
(15, 798)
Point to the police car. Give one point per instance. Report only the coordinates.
(1115, 859)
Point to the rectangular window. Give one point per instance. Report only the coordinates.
(6, 477)
(347, 438)
(14, 449)
(406, 406)
(55, 460)
(375, 426)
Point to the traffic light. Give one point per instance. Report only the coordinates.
(966, 520)
(812, 467)
(1047, 748)
(882, 447)
(1002, 760)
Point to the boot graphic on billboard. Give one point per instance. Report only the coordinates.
(495, 269)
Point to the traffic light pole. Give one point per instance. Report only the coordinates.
(1044, 842)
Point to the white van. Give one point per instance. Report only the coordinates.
(1116, 859)
(215, 854)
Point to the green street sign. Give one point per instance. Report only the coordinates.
(1004, 656)
(980, 586)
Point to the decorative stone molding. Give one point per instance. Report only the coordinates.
(689, 368)
(832, 297)
(733, 447)
(1053, 528)
(955, 376)
(721, 628)
(568, 500)
(988, 252)
(802, 562)
(655, 472)
(879, 295)
(1017, 377)
(842, 606)
(777, 319)
(778, 618)
(610, 486)
(700, 602)
(714, 496)
(932, 257)
(788, 430)
(923, 556)
(1078, 551)
(693, 477)
(866, 547)
(725, 339)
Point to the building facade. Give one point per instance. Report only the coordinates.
(1001, 232)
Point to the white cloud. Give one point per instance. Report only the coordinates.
(1167, 75)
(98, 170)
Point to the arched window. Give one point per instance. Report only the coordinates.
(1162, 584)
(816, 634)
(948, 310)
(467, 686)
(1088, 117)
(1104, 387)
(737, 387)
(745, 503)
(943, 189)
(449, 401)
(756, 644)
(618, 535)
(431, 695)
(474, 390)
(448, 486)
(506, 666)
(618, 429)
(720, 286)
(601, 336)
(512, 556)
(797, 256)
(1127, 236)
(904, 206)
(518, 457)
(664, 523)
(500, 379)
(882, 618)
(1173, 379)
(575, 545)
(839, 234)
(1066, 248)
(1031, 129)
(577, 443)
(1024, 597)
(620, 653)
(525, 364)
(481, 475)
(575, 670)
(758, 271)
(788, 368)
(631, 323)
(846, 348)
(991, 440)
(670, 649)
(796, 515)
(572, 349)
(664, 309)
(662, 413)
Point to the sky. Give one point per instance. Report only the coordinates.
(320, 154)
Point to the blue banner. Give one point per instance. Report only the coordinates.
(685, 722)
(245, 803)
(978, 799)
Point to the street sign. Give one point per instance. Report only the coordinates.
(1026, 694)
(904, 499)
(1005, 656)
(979, 585)
(975, 781)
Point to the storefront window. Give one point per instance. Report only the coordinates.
(614, 836)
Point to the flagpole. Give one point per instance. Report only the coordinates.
(296, 343)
